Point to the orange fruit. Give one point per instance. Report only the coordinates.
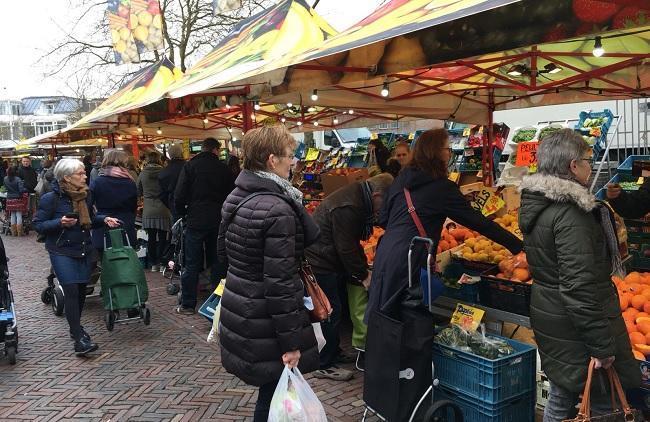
(638, 355)
(520, 274)
(617, 280)
(647, 339)
(646, 306)
(623, 287)
(638, 301)
(624, 301)
(642, 314)
(632, 313)
(631, 327)
(643, 325)
(646, 293)
(643, 349)
(633, 277)
(637, 338)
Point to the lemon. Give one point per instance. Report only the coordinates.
(125, 34)
(133, 22)
(144, 18)
(115, 35)
(141, 33)
(157, 21)
(120, 46)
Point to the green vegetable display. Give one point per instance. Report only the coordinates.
(524, 135)
(476, 343)
(547, 130)
(629, 185)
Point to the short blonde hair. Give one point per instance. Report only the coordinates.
(258, 144)
(66, 166)
(115, 158)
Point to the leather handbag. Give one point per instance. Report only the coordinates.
(620, 413)
(322, 309)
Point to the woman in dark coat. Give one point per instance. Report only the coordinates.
(114, 193)
(434, 198)
(65, 216)
(572, 252)
(156, 217)
(16, 202)
(264, 324)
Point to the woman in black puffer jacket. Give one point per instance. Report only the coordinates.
(264, 324)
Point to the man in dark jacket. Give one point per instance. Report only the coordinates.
(28, 174)
(630, 204)
(168, 179)
(345, 218)
(203, 186)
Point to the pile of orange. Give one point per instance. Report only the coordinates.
(634, 296)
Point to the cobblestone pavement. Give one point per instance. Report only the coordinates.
(165, 371)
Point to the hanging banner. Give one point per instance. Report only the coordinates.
(124, 48)
(224, 6)
(145, 23)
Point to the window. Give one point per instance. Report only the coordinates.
(43, 127)
(15, 109)
(29, 131)
(5, 131)
(49, 108)
(329, 139)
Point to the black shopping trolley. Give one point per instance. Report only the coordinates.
(400, 376)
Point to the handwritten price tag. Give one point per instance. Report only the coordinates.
(487, 201)
(467, 316)
(527, 154)
(312, 154)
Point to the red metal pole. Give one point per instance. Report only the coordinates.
(246, 116)
(135, 147)
(488, 162)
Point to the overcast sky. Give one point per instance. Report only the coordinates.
(29, 27)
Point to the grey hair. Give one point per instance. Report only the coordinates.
(65, 167)
(557, 150)
(380, 183)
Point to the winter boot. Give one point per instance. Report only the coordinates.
(14, 230)
(19, 229)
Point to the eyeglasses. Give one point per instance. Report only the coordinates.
(589, 160)
(79, 173)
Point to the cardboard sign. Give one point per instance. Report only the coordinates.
(467, 317)
(527, 154)
(488, 201)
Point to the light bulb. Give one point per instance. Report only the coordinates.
(229, 129)
(335, 121)
(289, 105)
(119, 137)
(314, 95)
(234, 139)
(283, 120)
(159, 131)
(299, 123)
(350, 111)
(598, 50)
(140, 129)
(257, 105)
(228, 106)
(206, 121)
(315, 123)
(253, 116)
(77, 150)
(384, 90)
(311, 109)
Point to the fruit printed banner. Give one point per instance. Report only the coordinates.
(124, 47)
(224, 6)
(145, 22)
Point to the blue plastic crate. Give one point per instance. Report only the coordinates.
(601, 142)
(491, 381)
(626, 166)
(516, 409)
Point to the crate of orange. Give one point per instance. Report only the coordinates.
(507, 287)
(634, 298)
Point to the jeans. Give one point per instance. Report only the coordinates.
(156, 244)
(74, 298)
(196, 241)
(562, 403)
(16, 217)
(329, 282)
(263, 404)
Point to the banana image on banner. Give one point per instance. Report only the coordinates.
(124, 46)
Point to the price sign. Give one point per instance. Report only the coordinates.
(468, 317)
(312, 154)
(488, 201)
(527, 154)
(469, 152)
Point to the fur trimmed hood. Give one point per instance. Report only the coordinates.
(559, 190)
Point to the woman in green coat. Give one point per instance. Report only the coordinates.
(572, 250)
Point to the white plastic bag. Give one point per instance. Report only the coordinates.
(214, 332)
(294, 400)
(320, 338)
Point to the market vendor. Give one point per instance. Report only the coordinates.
(345, 218)
(435, 198)
(630, 204)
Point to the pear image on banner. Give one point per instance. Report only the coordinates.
(146, 22)
(124, 46)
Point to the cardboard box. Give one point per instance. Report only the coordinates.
(333, 182)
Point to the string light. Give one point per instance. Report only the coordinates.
(315, 123)
(598, 50)
(299, 123)
(256, 106)
(384, 90)
(228, 106)
(229, 129)
(289, 105)
(159, 131)
(119, 137)
(283, 120)
(139, 128)
(350, 111)
(205, 120)
(311, 109)
(335, 121)
(314, 95)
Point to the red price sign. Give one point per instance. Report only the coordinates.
(527, 154)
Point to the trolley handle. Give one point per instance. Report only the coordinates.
(429, 244)
(124, 235)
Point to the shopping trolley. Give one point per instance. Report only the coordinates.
(397, 370)
(174, 256)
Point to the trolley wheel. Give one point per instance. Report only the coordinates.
(46, 295)
(109, 318)
(57, 301)
(439, 411)
(11, 354)
(147, 316)
(172, 289)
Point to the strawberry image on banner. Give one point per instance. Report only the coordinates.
(124, 47)
(146, 22)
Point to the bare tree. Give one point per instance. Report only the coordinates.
(190, 30)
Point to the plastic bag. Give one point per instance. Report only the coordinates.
(295, 401)
(320, 338)
(214, 332)
(477, 343)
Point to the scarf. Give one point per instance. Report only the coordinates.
(369, 224)
(114, 171)
(78, 196)
(284, 184)
(609, 230)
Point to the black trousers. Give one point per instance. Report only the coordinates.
(156, 245)
(74, 299)
(263, 404)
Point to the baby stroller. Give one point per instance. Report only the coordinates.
(8, 325)
(52, 294)
(124, 286)
(174, 257)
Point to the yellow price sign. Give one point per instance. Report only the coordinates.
(467, 317)
(488, 201)
(312, 154)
